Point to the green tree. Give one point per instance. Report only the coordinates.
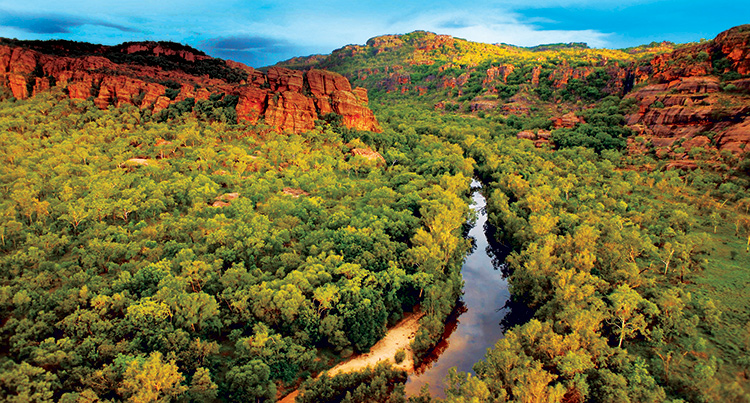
(151, 380)
(631, 312)
(251, 382)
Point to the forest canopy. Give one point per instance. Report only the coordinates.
(230, 259)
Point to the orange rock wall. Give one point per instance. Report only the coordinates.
(287, 99)
(684, 102)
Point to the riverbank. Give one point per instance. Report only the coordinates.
(398, 337)
(474, 326)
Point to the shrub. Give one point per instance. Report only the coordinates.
(400, 356)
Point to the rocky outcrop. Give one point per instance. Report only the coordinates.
(281, 79)
(568, 120)
(294, 192)
(287, 99)
(483, 105)
(323, 84)
(562, 75)
(690, 99)
(157, 49)
(286, 106)
(498, 72)
(734, 44)
(540, 138)
(292, 111)
(252, 104)
(369, 154)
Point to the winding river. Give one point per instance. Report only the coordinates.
(475, 324)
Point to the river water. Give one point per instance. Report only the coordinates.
(475, 324)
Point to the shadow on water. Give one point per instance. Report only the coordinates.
(480, 315)
(451, 325)
(517, 313)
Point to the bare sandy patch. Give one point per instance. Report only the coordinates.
(398, 337)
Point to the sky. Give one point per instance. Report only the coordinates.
(261, 32)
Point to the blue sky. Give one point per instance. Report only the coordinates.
(262, 32)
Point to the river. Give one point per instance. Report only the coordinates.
(475, 324)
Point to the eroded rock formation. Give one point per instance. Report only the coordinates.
(287, 99)
(696, 96)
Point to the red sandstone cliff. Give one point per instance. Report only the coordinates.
(287, 99)
(696, 96)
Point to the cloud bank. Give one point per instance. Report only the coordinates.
(263, 32)
(52, 23)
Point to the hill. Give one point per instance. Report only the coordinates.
(168, 78)
(679, 96)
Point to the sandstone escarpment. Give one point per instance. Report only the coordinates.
(287, 99)
(697, 96)
(295, 99)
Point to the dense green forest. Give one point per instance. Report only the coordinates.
(636, 277)
(233, 261)
(182, 257)
(227, 260)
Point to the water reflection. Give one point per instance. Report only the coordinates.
(474, 325)
(450, 326)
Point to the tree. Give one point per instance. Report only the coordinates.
(534, 386)
(462, 387)
(202, 388)
(251, 382)
(26, 383)
(631, 312)
(151, 379)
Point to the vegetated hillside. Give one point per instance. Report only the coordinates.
(199, 260)
(471, 76)
(679, 97)
(167, 79)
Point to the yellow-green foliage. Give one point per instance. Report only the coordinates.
(226, 254)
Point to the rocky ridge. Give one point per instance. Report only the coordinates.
(153, 76)
(696, 96)
(685, 96)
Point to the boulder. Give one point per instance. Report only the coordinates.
(544, 134)
(568, 120)
(368, 154)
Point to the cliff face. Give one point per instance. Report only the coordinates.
(697, 96)
(154, 76)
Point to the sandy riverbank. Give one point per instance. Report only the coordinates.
(396, 338)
